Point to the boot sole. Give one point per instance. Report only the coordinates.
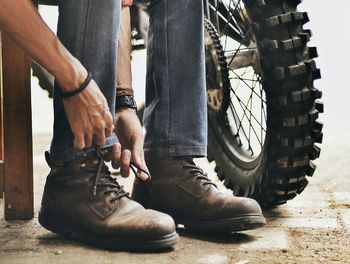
(236, 224)
(68, 230)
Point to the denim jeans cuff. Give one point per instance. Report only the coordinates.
(71, 153)
(197, 152)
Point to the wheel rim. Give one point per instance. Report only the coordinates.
(243, 125)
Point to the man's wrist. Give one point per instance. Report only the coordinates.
(71, 75)
(123, 101)
(79, 89)
(124, 109)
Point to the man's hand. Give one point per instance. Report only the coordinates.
(127, 2)
(130, 135)
(89, 116)
(87, 112)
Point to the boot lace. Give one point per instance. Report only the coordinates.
(111, 186)
(198, 174)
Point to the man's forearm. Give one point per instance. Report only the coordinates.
(21, 22)
(124, 76)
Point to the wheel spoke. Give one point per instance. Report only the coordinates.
(246, 114)
(240, 124)
(241, 128)
(241, 79)
(245, 79)
(238, 49)
(244, 108)
(231, 27)
(250, 122)
(228, 10)
(240, 59)
(224, 12)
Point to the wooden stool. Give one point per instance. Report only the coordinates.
(16, 181)
(16, 155)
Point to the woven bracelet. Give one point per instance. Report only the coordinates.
(79, 89)
(124, 92)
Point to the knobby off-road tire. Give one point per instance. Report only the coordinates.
(45, 79)
(286, 71)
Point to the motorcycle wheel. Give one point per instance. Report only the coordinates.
(263, 106)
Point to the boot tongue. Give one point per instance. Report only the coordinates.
(107, 182)
(196, 171)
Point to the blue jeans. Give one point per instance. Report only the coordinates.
(176, 112)
(89, 30)
(175, 116)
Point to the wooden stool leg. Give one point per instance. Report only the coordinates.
(1, 133)
(18, 156)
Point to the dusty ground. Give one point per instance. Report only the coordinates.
(313, 228)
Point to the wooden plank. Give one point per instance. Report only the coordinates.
(1, 132)
(1, 179)
(18, 156)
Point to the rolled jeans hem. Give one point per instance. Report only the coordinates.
(71, 153)
(197, 152)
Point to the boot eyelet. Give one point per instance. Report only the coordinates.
(82, 165)
(109, 200)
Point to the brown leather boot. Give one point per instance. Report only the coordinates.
(83, 200)
(182, 190)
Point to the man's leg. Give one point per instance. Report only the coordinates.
(88, 29)
(80, 196)
(176, 113)
(176, 126)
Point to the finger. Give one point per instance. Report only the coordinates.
(109, 125)
(137, 144)
(88, 139)
(108, 132)
(116, 153)
(125, 160)
(138, 157)
(79, 141)
(100, 135)
(140, 163)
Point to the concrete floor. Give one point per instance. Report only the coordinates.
(313, 228)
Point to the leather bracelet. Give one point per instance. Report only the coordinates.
(125, 101)
(124, 92)
(79, 89)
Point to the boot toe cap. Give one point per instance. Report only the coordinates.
(143, 225)
(159, 224)
(250, 206)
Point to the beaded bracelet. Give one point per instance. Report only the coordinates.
(79, 89)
